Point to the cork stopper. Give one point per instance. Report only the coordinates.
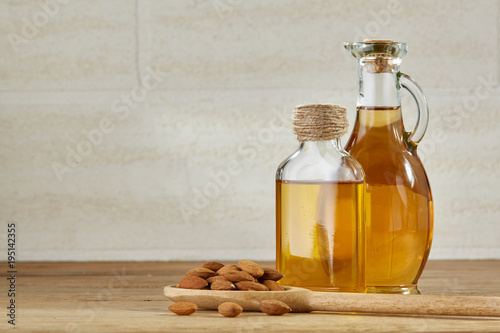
(379, 62)
(378, 41)
(319, 122)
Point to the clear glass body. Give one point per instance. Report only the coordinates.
(320, 218)
(399, 208)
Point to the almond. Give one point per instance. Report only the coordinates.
(274, 307)
(273, 285)
(201, 272)
(215, 278)
(251, 268)
(271, 274)
(237, 276)
(192, 282)
(222, 285)
(212, 265)
(230, 309)
(183, 308)
(228, 268)
(250, 285)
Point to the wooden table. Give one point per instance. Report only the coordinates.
(127, 297)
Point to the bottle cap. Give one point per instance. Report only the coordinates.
(319, 122)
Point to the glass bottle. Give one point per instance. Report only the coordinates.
(399, 210)
(320, 215)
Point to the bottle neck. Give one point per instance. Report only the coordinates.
(378, 89)
(322, 147)
(387, 119)
(377, 127)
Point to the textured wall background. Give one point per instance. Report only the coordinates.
(187, 97)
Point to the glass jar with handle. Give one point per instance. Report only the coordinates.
(399, 207)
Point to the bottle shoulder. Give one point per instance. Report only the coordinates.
(320, 164)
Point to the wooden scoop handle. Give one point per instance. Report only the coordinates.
(488, 306)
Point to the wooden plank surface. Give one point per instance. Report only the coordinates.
(127, 297)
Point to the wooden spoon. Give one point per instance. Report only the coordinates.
(304, 300)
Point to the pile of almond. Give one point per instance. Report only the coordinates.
(248, 275)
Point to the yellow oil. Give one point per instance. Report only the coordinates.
(399, 210)
(320, 242)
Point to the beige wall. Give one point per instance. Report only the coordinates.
(222, 77)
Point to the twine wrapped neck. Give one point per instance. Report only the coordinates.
(319, 122)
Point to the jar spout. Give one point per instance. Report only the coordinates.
(371, 48)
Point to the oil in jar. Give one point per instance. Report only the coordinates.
(399, 208)
(320, 239)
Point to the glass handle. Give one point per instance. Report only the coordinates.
(423, 109)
